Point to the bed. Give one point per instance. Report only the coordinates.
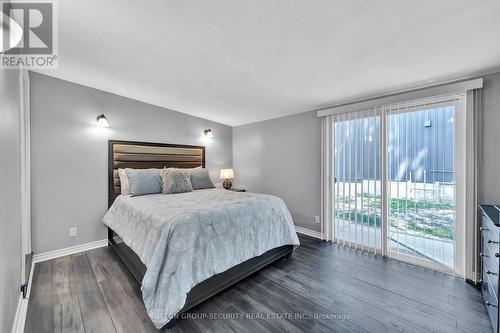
(184, 248)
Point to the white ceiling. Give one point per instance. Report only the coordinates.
(238, 62)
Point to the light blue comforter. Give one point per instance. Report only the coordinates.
(186, 238)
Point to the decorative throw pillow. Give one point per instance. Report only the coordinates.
(144, 181)
(175, 181)
(124, 184)
(200, 179)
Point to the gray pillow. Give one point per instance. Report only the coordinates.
(145, 181)
(175, 181)
(200, 179)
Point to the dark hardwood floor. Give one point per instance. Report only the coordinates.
(321, 288)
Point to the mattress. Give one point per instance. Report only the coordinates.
(184, 239)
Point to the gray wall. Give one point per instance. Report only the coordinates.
(279, 156)
(69, 154)
(282, 157)
(10, 198)
(489, 174)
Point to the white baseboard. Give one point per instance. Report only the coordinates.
(69, 250)
(309, 232)
(20, 318)
(22, 306)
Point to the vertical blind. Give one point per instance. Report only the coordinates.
(394, 180)
(400, 178)
(474, 159)
(356, 189)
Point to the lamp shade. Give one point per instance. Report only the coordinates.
(102, 121)
(208, 133)
(226, 173)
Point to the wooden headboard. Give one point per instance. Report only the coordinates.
(144, 155)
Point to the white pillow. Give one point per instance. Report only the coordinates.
(124, 184)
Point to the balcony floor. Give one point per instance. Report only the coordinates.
(436, 250)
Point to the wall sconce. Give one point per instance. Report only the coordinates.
(208, 133)
(102, 121)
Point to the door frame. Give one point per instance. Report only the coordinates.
(460, 183)
(25, 162)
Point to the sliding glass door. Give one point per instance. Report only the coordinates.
(421, 183)
(395, 181)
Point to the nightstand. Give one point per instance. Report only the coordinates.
(234, 189)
